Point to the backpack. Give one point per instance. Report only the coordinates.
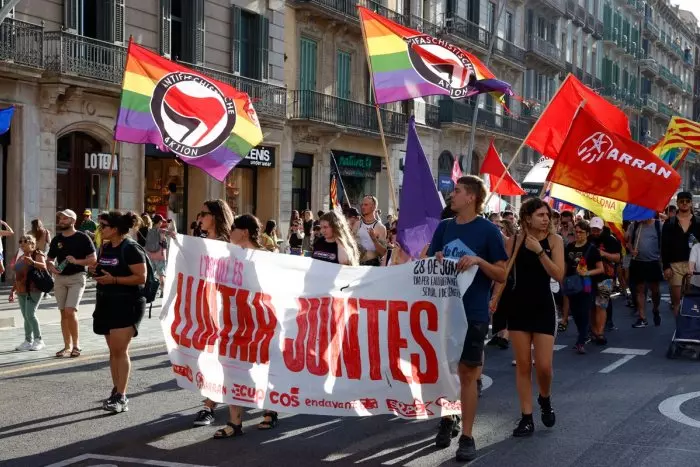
(657, 224)
(153, 243)
(150, 288)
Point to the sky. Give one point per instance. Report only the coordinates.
(690, 5)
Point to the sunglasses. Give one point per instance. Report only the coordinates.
(684, 201)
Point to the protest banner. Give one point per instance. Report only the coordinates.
(297, 335)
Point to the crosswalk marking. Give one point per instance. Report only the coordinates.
(628, 354)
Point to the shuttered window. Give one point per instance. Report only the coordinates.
(71, 15)
(250, 38)
(165, 27)
(342, 74)
(119, 36)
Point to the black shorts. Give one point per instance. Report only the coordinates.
(117, 312)
(473, 350)
(646, 272)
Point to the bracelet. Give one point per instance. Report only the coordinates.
(540, 253)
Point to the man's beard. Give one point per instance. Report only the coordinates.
(62, 228)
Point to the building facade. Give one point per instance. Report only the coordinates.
(61, 65)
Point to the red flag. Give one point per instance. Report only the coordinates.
(493, 166)
(595, 160)
(456, 171)
(549, 132)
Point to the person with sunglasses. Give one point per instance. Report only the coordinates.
(678, 236)
(120, 274)
(28, 293)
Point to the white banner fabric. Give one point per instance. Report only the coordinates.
(297, 335)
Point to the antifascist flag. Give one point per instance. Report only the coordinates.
(406, 64)
(593, 159)
(205, 122)
(493, 166)
(549, 132)
(420, 201)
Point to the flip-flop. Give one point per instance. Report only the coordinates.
(63, 353)
(75, 352)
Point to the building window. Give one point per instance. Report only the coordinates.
(250, 34)
(509, 26)
(103, 20)
(182, 30)
(491, 17)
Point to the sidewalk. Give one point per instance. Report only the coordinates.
(11, 335)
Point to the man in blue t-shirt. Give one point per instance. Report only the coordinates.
(473, 241)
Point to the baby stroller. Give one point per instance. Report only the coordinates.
(686, 338)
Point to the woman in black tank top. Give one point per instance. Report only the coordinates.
(529, 306)
(336, 244)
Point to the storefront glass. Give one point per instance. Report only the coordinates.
(301, 181)
(241, 189)
(161, 170)
(358, 173)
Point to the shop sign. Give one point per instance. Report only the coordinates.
(260, 156)
(357, 165)
(531, 190)
(445, 183)
(100, 161)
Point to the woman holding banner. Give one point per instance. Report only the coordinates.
(537, 256)
(337, 244)
(216, 220)
(245, 232)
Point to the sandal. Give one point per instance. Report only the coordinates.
(229, 431)
(63, 353)
(75, 352)
(269, 422)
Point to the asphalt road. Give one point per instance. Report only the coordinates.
(607, 415)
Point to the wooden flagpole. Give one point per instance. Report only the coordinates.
(340, 179)
(379, 120)
(522, 145)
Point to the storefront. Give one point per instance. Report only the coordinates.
(82, 174)
(161, 170)
(248, 183)
(301, 181)
(358, 174)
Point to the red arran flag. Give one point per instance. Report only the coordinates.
(493, 166)
(549, 132)
(456, 171)
(595, 160)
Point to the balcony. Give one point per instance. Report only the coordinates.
(664, 76)
(661, 41)
(432, 115)
(21, 43)
(649, 67)
(666, 111)
(467, 32)
(590, 23)
(532, 109)
(598, 29)
(556, 7)
(268, 100)
(570, 10)
(649, 105)
(461, 113)
(544, 53)
(509, 51)
(69, 54)
(611, 36)
(651, 30)
(588, 80)
(580, 17)
(338, 113)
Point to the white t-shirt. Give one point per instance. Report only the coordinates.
(695, 258)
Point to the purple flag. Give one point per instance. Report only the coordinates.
(420, 202)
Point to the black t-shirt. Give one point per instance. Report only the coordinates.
(295, 240)
(116, 261)
(325, 251)
(308, 226)
(608, 244)
(575, 253)
(141, 235)
(77, 245)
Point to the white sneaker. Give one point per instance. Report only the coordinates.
(24, 346)
(38, 344)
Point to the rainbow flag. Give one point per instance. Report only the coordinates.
(204, 122)
(407, 64)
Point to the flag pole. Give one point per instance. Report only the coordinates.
(340, 179)
(522, 145)
(114, 141)
(379, 120)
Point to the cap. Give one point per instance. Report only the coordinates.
(68, 213)
(352, 212)
(87, 212)
(685, 195)
(597, 223)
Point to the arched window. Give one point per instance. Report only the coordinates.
(445, 164)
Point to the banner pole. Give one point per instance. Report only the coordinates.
(379, 121)
(340, 179)
(517, 153)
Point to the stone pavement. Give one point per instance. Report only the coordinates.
(11, 336)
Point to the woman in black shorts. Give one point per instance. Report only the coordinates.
(529, 307)
(120, 274)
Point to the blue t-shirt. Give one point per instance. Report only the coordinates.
(479, 237)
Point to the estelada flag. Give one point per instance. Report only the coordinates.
(204, 122)
(549, 132)
(596, 160)
(493, 166)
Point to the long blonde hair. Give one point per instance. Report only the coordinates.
(342, 234)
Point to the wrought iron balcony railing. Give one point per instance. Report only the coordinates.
(545, 49)
(599, 29)
(651, 28)
(68, 53)
(650, 103)
(323, 108)
(21, 43)
(666, 110)
(268, 99)
(452, 111)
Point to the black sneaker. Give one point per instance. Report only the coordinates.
(205, 417)
(548, 417)
(657, 319)
(111, 394)
(479, 387)
(610, 327)
(640, 323)
(526, 427)
(446, 432)
(117, 404)
(466, 451)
